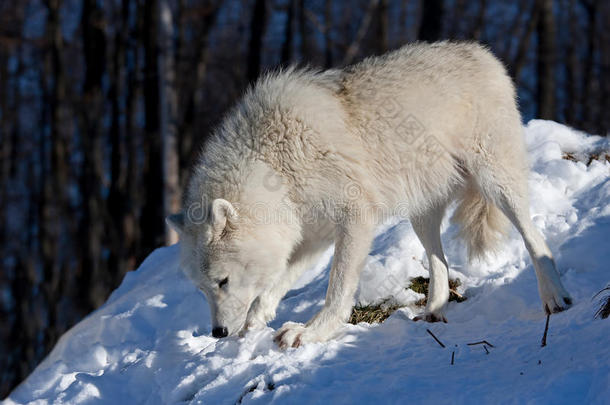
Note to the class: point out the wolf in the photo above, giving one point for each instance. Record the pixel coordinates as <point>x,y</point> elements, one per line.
<point>310,158</point>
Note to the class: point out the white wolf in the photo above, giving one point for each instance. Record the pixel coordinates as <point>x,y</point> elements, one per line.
<point>308,158</point>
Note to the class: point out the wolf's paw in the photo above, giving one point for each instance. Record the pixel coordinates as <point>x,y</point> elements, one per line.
<point>556,302</point>
<point>431,317</point>
<point>293,334</point>
<point>259,315</point>
<point>252,324</point>
<point>554,296</point>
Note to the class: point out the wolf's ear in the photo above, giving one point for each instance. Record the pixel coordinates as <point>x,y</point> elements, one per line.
<point>176,222</point>
<point>222,215</point>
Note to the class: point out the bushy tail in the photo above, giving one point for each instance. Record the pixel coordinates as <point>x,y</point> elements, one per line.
<point>483,225</point>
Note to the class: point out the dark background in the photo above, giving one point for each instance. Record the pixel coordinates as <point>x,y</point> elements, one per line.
<point>103,105</point>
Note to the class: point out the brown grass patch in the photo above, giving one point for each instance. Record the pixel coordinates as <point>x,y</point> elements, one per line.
<point>569,156</point>
<point>371,313</point>
<point>588,158</point>
<point>381,312</point>
<point>420,285</point>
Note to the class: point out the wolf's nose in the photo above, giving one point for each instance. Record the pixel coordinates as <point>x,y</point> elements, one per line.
<point>220,332</point>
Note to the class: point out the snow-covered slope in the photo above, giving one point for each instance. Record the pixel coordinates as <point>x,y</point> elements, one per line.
<point>150,343</point>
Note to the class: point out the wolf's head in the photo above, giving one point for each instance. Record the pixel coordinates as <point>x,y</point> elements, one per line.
<point>232,258</point>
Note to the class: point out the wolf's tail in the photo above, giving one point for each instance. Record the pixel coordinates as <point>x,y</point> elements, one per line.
<point>482,224</point>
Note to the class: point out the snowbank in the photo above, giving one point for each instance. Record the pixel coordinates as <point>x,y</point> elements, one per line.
<point>150,343</point>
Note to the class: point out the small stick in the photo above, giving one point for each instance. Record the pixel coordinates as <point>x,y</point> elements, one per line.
<point>486,351</point>
<point>456,293</point>
<point>546,329</point>
<point>435,338</point>
<point>452,356</point>
<point>482,342</point>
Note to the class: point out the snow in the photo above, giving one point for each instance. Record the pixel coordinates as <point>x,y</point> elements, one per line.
<point>150,343</point>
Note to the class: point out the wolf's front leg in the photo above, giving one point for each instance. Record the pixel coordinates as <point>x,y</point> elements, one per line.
<point>352,244</point>
<point>264,308</point>
<point>305,255</point>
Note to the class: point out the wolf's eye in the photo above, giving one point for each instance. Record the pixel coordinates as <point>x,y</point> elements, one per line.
<point>223,282</point>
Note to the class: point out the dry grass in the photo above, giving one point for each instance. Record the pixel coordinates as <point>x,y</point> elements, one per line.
<point>420,285</point>
<point>379,313</point>
<point>371,313</point>
<point>588,159</point>
<point>569,156</point>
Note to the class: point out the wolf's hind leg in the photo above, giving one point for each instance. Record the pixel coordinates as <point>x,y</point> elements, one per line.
<point>509,193</point>
<point>428,229</point>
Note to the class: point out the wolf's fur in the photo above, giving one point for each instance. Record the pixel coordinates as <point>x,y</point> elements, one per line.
<point>482,224</point>
<point>310,158</point>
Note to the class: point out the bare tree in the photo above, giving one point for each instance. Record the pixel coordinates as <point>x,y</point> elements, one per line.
<point>383,27</point>
<point>117,202</point>
<point>257,32</point>
<point>547,55</point>
<point>52,203</point>
<point>328,24</point>
<point>589,82</point>
<point>479,22</point>
<point>168,118</point>
<point>189,92</point>
<point>459,10</point>
<point>430,28</point>
<point>91,272</point>
<point>151,225</point>
<point>286,52</point>
<point>520,59</point>
<point>354,47</point>
<point>572,65</point>
<point>604,95</point>
<point>304,31</point>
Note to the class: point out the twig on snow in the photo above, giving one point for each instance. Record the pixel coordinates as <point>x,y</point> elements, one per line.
<point>457,294</point>
<point>482,342</point>
<point>435,338</point>
<point>604,308</point>
<point>546,329</point>
<point>452,356</point>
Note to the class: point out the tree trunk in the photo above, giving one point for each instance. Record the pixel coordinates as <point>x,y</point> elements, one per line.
<point>92,277</point>
<point>257,32</point>
<point>589,82</point>
<point>354,47</point>
<point>572,67</point>
<point>307,40</point>
<point>328,26</point>
<point>455,28</point>
<point>430,28</point>
<point>17,325</point>
<point>383,27</point>
<point>118,203</point>
<point>547,55</point>
<point>168,101</point>
<point>514,30</point>
<point>55,178</point>
<point>152,225</point>
<point>479,23</point>
<point>520,58</point>
<point>286,53</point>
<point>132,203</point>
<point>604,95</point>
<point>190,94</point>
